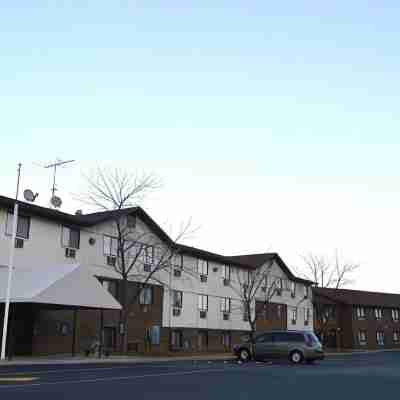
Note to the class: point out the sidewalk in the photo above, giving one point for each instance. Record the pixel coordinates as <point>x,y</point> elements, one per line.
<point>69,360</point>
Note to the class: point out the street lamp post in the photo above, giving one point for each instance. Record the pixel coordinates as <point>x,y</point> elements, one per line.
<point>10,269</point>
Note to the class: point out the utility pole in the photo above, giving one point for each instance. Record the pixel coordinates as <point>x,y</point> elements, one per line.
<point>10,269</point>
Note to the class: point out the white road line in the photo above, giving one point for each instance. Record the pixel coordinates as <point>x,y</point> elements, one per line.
<point>115,378</point>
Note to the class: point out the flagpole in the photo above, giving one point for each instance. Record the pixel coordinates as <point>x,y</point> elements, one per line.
<point>10,269</point>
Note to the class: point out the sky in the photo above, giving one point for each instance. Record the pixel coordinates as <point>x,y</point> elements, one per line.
<point>273,125</point>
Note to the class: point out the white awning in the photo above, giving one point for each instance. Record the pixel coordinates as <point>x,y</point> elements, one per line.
<point>66,285</point>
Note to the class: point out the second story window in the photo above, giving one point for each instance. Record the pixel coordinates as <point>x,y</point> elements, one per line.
<point>23,225</point>
<point>360,313</point>
<point>395,314</point>
<point>146,296</point>
<point>380,338</point>
<point>293,289</point>
<point>305,288</point>
<point>110,245</point>
<point>203,302</point>
<point>70,237</point>
<point>378,313</point>
<point>226,305</point>
<point>202,267</point>
<point>148,258</point>
<point>177,299</point>
<point>307,316</point>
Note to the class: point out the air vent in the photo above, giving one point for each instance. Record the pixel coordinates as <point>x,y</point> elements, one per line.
<point>70,253</point>
<point>176,312</point>
<point>19,243</point>
<point>177,273</point>
<point>111,261</point>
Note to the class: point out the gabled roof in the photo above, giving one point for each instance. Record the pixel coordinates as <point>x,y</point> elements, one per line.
<point>257,260</point>
<point>249,261</point>
<point>359,297</point>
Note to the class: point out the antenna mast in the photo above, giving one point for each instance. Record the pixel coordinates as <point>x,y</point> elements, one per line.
<point>54,200</point>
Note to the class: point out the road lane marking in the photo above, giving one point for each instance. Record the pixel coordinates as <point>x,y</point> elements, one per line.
<point>118,378</point>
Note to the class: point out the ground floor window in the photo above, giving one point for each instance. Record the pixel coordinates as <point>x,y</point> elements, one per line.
<point>226,339</point>
<point>362,337</point>
<point>396,336</point>
<point>176,338</point>
<point>202,340</point>
<point>380,338</point>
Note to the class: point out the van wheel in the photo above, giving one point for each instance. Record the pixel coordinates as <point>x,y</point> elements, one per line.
<point>296,357</point>
<point>244,355</point>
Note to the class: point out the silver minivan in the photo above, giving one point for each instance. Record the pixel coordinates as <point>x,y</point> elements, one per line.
<point>297,346</point>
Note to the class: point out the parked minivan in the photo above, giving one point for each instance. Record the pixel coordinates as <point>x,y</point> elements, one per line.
<point>297,346</point>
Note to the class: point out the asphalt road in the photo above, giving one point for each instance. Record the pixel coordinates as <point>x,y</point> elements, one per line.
<point>368,376</point>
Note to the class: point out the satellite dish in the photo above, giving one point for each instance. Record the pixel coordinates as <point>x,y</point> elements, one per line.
<point>56,202</point>
<point>29,195</point>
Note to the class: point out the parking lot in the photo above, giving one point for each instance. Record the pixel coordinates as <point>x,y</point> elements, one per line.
<point>367,376</point>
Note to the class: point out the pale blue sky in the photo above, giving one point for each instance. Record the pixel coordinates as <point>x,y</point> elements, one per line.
<point>275,125</point>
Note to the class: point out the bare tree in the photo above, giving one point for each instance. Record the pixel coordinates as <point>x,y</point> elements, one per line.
<point>330,273</point>
<point>252,286</point>
<point>136,254</point>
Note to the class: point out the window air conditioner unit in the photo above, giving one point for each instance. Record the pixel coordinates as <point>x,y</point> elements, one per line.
<point>226,282</point>
<point>203,278</point>
<point>19,243</point>
<point>111,261</point>
<point>70,253</point>
<point>176,312</point>
<point>147,267</point>
<point>177,272</point>
<point>203,314</point>
<point>226,316</point>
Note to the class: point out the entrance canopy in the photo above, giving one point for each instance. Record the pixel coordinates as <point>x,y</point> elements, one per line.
<point>65,285</point>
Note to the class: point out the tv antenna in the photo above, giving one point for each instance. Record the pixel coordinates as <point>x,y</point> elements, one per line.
<point>55,200</point>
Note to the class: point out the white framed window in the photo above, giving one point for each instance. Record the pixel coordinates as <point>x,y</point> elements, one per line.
<point>202,267</point>
<point>148,255</point>
<point>226,272</point>
<point>146,296</point>
<point>203,302</point>
<point>293,289</point>
<point>378,313</point>
<point>23,225</point>
<point>380,338</point>
<point>70,237</point>
<point>287,284</point>
<point>226,305</point>
<point>307,315</point>
<point>396,336</point>
<point>110,245</point>
<point>395,314</point>
<point>362,337</point>
<point>305,291</point>
<point>177,261</point>
<point>177,299</point>
<point>360,313</point>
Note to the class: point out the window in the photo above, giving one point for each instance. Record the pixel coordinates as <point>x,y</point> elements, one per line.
<point>153,335</point>
<point>287,284</point>
<point>396,336</point>
<point>23,225</point>
<point>360,312</point>
<point>177,298</point>
<point>111,286</point>
<point>293,289</point>
<point>362,337</point>
<point>203,302</point>
<point>146,296</point>
<point>148,255</point>
<point>178,261</point>
<point>226,272</point>
<point>294,316</point>
<point>278,285</point>
<point>110,245</point>
<point>380,338</point>
<point>378,313</point>
<point>267,338</point>
<point>395,314</point>
<point>202,267</point>
<point>288,337</point>
<point>305,288</point>
<point>226,305</point>
<point>176,338</point>
<point>70,237</point>
<point>226,339</point>
<point>307,315</point>
<point>131,221</point>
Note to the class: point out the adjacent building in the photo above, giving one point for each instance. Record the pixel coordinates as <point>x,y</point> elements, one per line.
<point>192,306</point>
<point>358,319</point>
